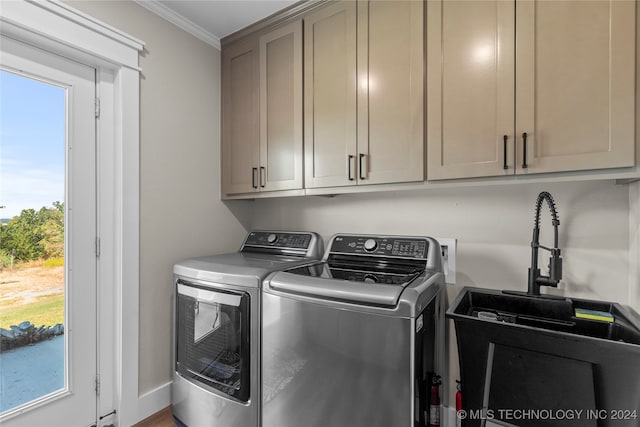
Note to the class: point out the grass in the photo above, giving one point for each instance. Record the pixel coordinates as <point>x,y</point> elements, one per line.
<point>47,310</point>
<point>34,292</point>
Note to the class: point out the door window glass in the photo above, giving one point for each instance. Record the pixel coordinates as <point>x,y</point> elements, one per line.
<point>212,338</point>
<point>32,273</point>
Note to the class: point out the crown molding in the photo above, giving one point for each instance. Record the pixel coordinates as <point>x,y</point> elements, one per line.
<point>283,16</point>
<point>180,21</point>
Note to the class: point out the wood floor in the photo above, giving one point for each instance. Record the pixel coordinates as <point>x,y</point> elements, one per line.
<point>163,418</point>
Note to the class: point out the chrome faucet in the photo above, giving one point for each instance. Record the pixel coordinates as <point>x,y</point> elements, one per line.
<point>555,261</point>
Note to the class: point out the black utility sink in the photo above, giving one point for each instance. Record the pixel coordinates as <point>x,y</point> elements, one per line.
<point>551,313</point>
<point>531,353</point>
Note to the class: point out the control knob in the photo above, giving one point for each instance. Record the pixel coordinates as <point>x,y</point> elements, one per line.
<point>370,245</point>
<point>370,278</point>
<point>271,238</point>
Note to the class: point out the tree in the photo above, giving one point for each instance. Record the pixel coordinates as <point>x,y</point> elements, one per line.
<point>32,235</point>
<point>22,239</point>
<point>6,260</point>
<point>52,230</point>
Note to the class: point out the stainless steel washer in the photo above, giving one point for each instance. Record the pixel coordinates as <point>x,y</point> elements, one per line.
<point>217,327</point>
<point>351,341</point>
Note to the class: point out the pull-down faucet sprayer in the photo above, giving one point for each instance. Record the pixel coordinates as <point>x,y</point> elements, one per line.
<point>555,262</point>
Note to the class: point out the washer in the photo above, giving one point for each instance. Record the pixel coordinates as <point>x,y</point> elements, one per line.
<point>216,378</point>
<point>352,340</point>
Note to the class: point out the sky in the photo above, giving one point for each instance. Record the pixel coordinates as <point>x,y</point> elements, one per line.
<point>32,144</point>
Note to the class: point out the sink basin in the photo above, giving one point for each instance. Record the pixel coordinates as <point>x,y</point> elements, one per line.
<point>524,353</point>
<point>550,313</point>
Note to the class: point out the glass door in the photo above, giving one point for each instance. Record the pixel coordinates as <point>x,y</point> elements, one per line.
<point>212,337</point>
<point>47,239</point>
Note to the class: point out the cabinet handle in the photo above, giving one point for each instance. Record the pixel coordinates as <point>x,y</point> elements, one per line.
<point>254,172</point>
<point>360,168</point>
<point>262,177</point>
<point>524,151</point>
<point>349,158</point>
<point>505,138</point>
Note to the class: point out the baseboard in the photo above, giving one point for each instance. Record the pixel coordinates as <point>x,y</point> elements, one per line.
<point>154,401</point>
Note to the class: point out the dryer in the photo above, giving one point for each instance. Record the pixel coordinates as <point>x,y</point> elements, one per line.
<point>216,378</point>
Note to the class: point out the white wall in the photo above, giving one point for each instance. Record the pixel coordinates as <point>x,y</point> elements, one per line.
<point>181,214</point>
<point>493,226</point>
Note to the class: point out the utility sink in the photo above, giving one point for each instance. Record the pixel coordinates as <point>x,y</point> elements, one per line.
<point>531,353</point>
<point>550,313</point>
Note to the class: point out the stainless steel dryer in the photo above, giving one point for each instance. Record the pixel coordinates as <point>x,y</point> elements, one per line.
<point>217,327</point>
<point>351,341</point>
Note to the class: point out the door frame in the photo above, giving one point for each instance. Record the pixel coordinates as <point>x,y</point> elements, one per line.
<point>62,30</point>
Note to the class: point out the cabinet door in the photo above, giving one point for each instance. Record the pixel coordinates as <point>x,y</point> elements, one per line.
<point>330,95</point>
<point>470,92</point>
<point>575,84</point>
<point>240,117</point>
<point>391,91</point>
<point>281,108</point>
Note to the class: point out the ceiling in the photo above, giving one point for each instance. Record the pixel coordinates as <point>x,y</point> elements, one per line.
<point>211,20</point>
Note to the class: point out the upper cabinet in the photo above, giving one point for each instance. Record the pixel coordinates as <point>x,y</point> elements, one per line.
<point>575,85</point>
<point>281,108</point>
<point>262,112</point>
<point>550,90</point>
<point>470,79</point>
<point>240,144</point>
<point>330,95</point>
<point>390,91</point>
<point>364,93</point>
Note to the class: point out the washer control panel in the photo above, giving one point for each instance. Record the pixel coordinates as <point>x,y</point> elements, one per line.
<point>278,239</point>
<point>403,247</point>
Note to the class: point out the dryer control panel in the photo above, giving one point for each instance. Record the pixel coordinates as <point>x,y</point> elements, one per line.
<point>283,242</point>
<point>278,239</point>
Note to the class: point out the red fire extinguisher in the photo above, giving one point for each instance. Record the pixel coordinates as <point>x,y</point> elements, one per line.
<point>458,404</point>
<point>434,402</point>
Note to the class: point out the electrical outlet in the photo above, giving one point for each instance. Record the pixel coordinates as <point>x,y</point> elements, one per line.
<point>448,247</point>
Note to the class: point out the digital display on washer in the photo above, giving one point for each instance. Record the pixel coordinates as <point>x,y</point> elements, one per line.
<point>409,248</point>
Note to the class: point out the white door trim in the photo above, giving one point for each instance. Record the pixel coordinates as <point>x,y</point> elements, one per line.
<point>58,28</point>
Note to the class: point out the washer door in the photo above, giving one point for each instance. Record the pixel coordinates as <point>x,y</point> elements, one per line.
<point>212,338</point>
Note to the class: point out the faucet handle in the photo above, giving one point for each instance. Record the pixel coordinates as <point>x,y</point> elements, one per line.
<point>555,266</point>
